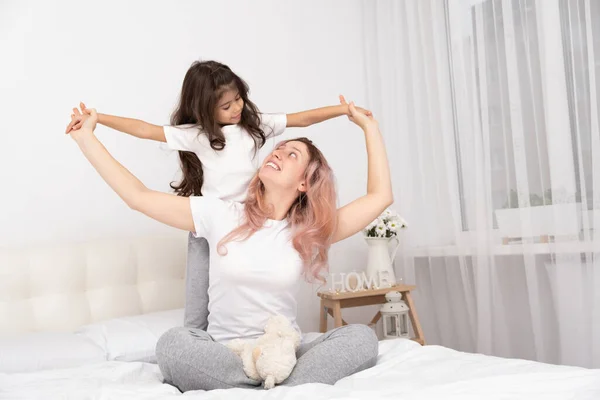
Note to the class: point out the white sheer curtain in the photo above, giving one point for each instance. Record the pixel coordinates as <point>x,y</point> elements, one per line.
<point>490,112</point>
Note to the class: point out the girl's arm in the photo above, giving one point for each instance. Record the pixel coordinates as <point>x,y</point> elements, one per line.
<point>356,215</point>
<point>307,118</point>
<point>166,208</point>
<point>133,127</point>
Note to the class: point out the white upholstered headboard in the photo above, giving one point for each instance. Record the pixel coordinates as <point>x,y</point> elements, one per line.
<point>59,288</point>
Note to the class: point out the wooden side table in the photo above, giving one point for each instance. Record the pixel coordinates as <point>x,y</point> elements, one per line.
<point>332,304</point>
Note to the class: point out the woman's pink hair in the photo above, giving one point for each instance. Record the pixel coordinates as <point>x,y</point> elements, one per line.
<point>312,217</point>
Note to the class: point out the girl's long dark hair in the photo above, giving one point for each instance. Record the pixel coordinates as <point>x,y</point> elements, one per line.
<point>203,85</point>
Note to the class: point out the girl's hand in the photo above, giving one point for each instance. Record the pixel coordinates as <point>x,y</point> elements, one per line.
<point>359,116</point>
<point>85,123</point>
<point>359,109</point>
<point>78,118</point>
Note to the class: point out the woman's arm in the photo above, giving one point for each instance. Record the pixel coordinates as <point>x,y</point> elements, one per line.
<point>133,127</point>
<point>307,118</point>
<point>356,215</point>
<point>163,207</point>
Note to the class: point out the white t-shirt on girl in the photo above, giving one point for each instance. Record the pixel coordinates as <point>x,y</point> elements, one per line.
<point>227,172</point>
<point>257,278</point>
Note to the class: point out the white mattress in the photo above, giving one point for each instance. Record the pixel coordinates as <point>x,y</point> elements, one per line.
<point>404,370</point>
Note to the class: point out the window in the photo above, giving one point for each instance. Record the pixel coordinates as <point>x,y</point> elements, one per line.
<point>505,54</point>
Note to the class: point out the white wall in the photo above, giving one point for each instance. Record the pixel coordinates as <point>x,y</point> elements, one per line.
<point>129,58</point>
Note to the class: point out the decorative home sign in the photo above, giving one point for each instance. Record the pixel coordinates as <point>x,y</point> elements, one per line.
<point>357,281</point>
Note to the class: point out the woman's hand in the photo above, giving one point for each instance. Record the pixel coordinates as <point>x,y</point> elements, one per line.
<point>359,116</point>
<point>82,124</point>
<point>359,109</point>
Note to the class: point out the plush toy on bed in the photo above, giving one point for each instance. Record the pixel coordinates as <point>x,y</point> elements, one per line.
<point>272,357</point>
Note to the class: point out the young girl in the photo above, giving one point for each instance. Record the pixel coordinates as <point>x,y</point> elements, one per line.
<point>217,131</point>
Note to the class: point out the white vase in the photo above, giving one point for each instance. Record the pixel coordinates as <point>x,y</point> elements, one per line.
<point>380,263</point>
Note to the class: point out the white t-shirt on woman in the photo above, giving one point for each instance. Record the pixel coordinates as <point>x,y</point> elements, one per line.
<point>258,278</point>
<point>227,172</point>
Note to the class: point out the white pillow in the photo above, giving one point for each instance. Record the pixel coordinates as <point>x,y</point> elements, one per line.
<point>47,350</point>
<point>132,338</point>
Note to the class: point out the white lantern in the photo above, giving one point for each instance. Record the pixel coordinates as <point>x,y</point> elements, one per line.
<point>395,316</point>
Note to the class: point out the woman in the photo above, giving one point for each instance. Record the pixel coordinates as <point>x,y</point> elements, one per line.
<point>259,250</point>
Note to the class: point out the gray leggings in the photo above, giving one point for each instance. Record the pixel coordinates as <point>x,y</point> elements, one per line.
<point>196,284</point>
<point>190,359</point>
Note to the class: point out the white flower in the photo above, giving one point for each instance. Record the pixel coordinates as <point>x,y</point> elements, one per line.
<point>380,230</point>
<point>387,213</point>
<point>392,226</point>
<point>399,221</point>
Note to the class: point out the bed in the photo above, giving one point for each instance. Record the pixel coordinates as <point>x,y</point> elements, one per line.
<point>81,320</point>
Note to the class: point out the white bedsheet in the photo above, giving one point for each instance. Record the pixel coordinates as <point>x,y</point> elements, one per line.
<point>404,370</point>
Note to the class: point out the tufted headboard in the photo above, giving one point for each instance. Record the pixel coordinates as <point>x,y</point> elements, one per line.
<point>59,288</point>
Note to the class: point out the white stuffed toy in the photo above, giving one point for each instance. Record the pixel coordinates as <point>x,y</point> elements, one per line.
<point>272,357</point>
